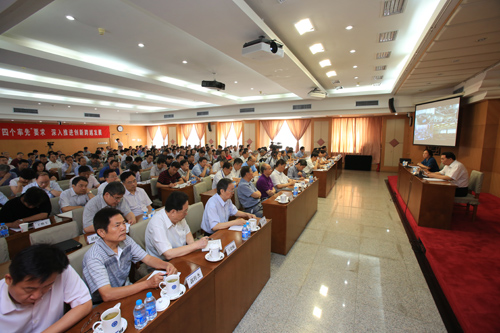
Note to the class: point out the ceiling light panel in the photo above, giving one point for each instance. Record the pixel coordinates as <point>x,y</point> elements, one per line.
<point>316,48</point>
<point>325,63</point>
<point>331,73</point>
<point>381,68</point>
<point>383,55</point>
<point>387,36</point>
<point>304,26</point>
<point>392,7</point>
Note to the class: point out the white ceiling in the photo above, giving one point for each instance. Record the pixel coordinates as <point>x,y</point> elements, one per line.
<point>47,59</point>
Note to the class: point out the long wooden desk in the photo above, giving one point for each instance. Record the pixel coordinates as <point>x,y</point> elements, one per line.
<point>166,191</point>
<point>207,195</point>
<point>430,203</point>
<point>326,180</point>
<point>217,302</point>
<point>18,241</point>
<point>147,189</point>
<point>290,219</point>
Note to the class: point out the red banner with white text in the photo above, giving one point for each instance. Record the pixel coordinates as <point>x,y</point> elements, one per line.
<point>34,131</point>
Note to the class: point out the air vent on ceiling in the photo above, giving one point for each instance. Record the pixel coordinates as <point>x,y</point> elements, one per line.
<point>201,113</point>
<point>380,68</point>
<point>392,7</point>
<point>168,115</point>
<point>387,36</point>
<point>383,55</point>
<point>458,91</point>
<point>366,103</point>
<point>92,115</point>
<point>378,77</point>
<point>336,81</point>
<point>246,110</point>
<point>30,111</point>
<point>302,107</point>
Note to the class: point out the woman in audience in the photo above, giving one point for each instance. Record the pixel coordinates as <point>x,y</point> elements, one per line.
<point>39,167</point>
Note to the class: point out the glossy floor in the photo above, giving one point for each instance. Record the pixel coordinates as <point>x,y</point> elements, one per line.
<point>351,270</point>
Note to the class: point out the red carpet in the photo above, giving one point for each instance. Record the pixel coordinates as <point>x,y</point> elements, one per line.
<point>466,261</point>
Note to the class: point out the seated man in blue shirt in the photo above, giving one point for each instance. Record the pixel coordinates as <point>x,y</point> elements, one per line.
<point>220,207</point>
<point>251,164</point>
<point>248,195</point>
<point>202,169</point>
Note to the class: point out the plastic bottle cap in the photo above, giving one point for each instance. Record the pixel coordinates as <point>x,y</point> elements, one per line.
<point>138,302</point>
<point>149,294</point>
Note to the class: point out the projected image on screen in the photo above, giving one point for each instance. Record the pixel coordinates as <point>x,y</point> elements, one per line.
<point>436,123</point>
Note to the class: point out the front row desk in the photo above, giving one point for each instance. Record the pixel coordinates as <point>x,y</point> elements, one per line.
<point>218,302</point>
<point>429,202</point>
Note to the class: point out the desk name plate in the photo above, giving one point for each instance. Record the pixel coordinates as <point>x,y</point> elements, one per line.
<point>40,224</point>
<point>230,248</point>
<point>194,277</point>
<point>91,239</point>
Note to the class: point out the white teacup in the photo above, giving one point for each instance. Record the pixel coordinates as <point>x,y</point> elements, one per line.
<point>24,227</point>
<point>170,284</point>
<point>283,198</point>
<point>112,324</point>
<point>214,252</point>
<point>253,223</point>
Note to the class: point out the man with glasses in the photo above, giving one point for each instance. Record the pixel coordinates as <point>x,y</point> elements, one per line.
<point>136,197</point>
<point>220,207</point>
<point>111,197</point>
<point>168,235</point>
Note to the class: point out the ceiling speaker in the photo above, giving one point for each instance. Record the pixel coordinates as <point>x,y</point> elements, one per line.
<point>209,127</point>
<point>391,105</point>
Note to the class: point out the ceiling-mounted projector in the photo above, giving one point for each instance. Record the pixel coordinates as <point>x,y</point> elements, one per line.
<point>262,49</point>
<point>316,94</point>
<point>213,85</point>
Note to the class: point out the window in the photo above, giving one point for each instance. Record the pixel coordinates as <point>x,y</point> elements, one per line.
<point>158,139</point>
<point>193,139</point>
<point>285,137</point>
<point>231,138</point>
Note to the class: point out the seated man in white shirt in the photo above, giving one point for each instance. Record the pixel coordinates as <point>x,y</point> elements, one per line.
<point>109,177</point>
<point>51,187</point>
<point>280,180</point>
<point>32,295</point>
<point>453,171</point>
<point>185,173</point>
<point>224,173</point>
<point>136,197</point>
<point>147,164</point>
<point>220,207</point>
<point>312,163</point>
<point>218,165</point>
<point>75,197</point>
<point>168,235</point>
<point>69,166</point>
<point>158,168</point>
<point>235,173</point>
<point>84,171</point>
<point>82,161</point>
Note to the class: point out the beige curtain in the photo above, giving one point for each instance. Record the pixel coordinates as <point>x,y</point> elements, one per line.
<point>152,130</point>
<point>357,136</point>
<point>164,132</point>
<point>238,127</point>
<point>298,127</point>
<point>272,127</point>
<point>186,130</point>
<point>200,130</point>
<point>225,128</point>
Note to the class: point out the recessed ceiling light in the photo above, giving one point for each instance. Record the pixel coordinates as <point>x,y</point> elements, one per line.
<point>184,62</point>
<point>352,51</point>
<point>140,45</point>
<point>40,121</point>
<point>251,88</point>
<point>69,106</point>
<point>324,63</point>
<point>357,85</point>
<point>356,77</point>
<point>331,73</point>
<point>95,109</point>
<point>69,17</point>
<point>235,81</point>
<point>117,110</point>
<point>39,103</point>
<point>316,48</point>
<point>349,27</point>
<point>354,66</point>
<point>304,26</point>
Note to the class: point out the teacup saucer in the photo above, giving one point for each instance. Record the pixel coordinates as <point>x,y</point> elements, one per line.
<point>284,202</point>
<point>256,229</point>
<point>209,258</point>
<point>98,329</point>
<point>182,290</point>
<point>162,303</point>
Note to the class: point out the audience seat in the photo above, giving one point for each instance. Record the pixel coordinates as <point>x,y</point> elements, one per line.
<point>208,180</point>
<point>76,259</point>
<point>236,200</point>
<point>138,232</point>
<point>56,209</point>
<point>475,186</point>
<point>94,191</point>
<point>194,217</point>
<point>78,218</point>
<point>55,234</point>
<point>64,184</point>
<point>154,193</point>
<point>199,188</point>
<point>6,191</point>
<point>4,251</point>
<point>145,175</point>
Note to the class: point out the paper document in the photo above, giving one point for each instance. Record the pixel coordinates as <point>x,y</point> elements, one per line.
<point>156,272</point>
<point>213,241</point>
<point>67,214</point>
<point>236,228</point>
<point>435,180</point>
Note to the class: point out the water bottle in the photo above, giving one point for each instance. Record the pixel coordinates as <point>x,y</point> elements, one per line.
<point>295,190</point>
<point>150,303</point>
<point>311,179</point>
<point>4,231</point>
<point>140,318</point>
<point>245,232</point>
<point>145,215</point>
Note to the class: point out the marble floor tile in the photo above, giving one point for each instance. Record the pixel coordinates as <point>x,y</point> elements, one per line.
<point>351,270</point>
